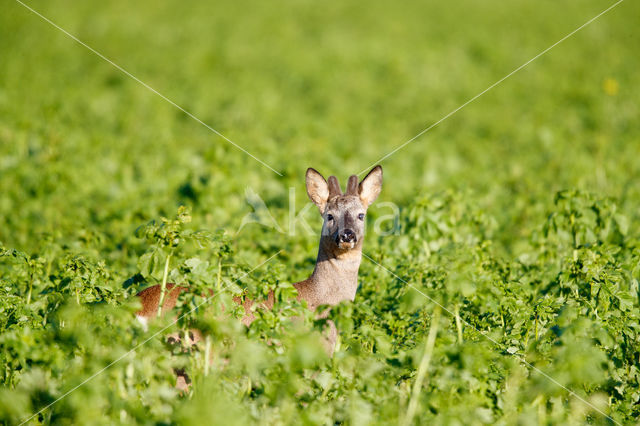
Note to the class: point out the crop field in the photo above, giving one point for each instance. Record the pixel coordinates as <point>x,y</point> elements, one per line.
<point>169,141</point>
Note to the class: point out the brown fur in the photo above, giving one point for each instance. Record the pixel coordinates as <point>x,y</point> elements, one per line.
<point>150,298</point>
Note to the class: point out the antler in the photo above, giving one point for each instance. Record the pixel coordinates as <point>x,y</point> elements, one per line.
<point>334,187</point>
<point>352,185</point>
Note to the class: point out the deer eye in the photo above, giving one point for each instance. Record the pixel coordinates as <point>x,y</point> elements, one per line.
<point>361,216</point>
<point>329,217</point>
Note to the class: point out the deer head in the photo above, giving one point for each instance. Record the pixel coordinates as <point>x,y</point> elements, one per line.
<point>343,213</point>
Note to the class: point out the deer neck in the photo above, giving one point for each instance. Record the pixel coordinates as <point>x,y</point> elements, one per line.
<point>335,277</point>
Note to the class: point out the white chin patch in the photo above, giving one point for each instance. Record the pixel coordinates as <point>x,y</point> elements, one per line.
<point>346,246</point>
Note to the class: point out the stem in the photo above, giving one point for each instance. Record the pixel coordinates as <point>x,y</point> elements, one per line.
<point>458,324</point>
<point>30,288</point>
<point>207,354</point>
<point>540,403</point>
<point>163,287</point>
<point>542,414</point>
<point>422,368</point>
<point>219,273</point>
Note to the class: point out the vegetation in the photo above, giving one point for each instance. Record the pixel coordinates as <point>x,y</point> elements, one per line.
<point>508,286</point>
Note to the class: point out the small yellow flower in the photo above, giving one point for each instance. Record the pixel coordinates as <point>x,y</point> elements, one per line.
<point>610,86</point>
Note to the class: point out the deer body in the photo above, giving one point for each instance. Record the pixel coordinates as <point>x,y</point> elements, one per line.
<point>335,276</point>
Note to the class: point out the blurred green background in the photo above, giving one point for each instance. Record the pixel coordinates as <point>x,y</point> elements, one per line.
<point>334,86</point>
<point>88,155</point>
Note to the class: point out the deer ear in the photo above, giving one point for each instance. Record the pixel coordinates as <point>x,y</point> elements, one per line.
<point>317,189</point>
<point>370,187</point>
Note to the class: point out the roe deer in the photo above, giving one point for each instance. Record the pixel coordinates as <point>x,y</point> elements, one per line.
<point>335,277</point>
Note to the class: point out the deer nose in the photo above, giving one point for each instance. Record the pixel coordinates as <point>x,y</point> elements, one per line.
<point>347,236</point>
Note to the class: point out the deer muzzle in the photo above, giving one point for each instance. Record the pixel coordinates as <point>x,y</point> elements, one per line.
<point>346,239</point>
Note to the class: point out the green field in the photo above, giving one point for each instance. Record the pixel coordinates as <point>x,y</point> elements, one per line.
<point>517,225</point>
